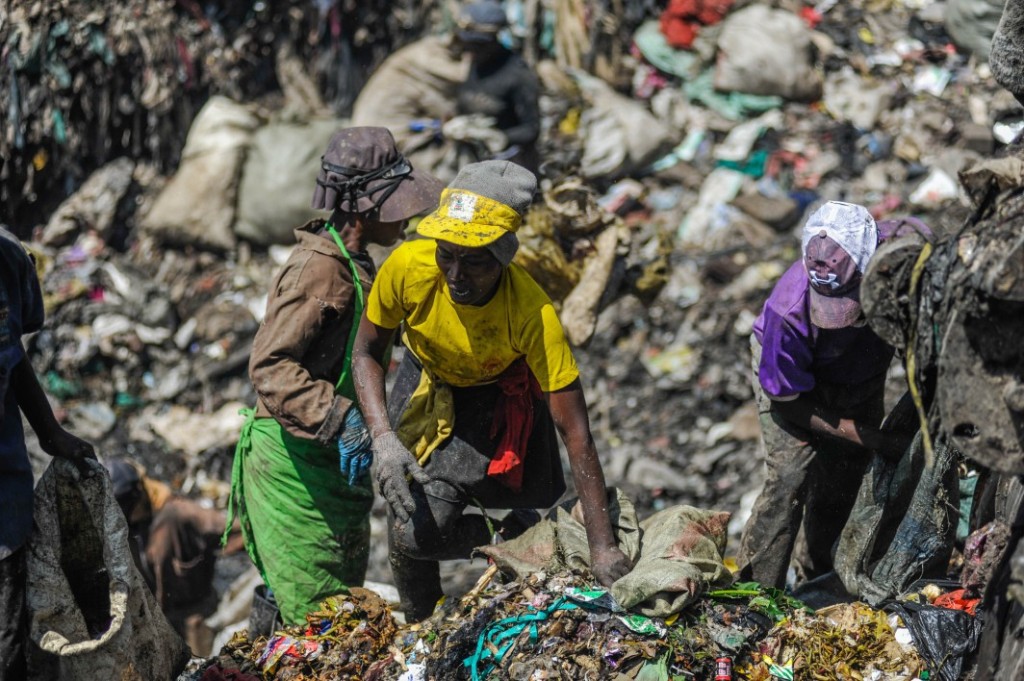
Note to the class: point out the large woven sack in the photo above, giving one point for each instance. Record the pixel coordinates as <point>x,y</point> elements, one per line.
<point>972,23</point>
<point>676,553</point>
<point>417,82</point>
<point>197,206</point>
<point>681,549</point>
<point>620,134</point>
<point>279,178</point>
<point>91,613</point>
<point>560,542</point>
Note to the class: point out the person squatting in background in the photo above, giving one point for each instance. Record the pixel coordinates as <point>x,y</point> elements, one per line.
<point>175,543</point>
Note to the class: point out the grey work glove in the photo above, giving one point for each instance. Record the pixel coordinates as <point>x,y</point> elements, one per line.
<point>395,465</point>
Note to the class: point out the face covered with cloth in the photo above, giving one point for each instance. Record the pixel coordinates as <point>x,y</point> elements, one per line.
<point>473,321</point>
<point>838,242</point>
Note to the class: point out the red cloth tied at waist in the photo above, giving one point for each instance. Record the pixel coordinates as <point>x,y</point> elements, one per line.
<point>513,417</point>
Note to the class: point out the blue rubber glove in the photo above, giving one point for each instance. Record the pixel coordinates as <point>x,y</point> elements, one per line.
<point>354,446</point>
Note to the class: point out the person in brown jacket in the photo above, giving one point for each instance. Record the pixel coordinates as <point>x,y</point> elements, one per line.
<point>299,482</point>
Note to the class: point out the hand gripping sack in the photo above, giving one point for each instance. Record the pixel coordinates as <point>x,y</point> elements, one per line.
<point>90,611</point>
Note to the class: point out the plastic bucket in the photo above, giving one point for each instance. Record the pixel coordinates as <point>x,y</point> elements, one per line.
<point>265,618</point>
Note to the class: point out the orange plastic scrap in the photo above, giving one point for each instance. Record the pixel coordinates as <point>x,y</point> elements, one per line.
<point>955,600</point>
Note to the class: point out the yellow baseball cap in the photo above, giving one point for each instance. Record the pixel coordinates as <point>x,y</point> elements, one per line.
<point>483,202</point>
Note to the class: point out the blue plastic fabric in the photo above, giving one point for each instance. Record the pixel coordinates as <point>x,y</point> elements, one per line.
<point>497,638</point>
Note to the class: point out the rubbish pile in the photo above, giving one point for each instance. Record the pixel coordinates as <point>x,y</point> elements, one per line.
<point>675,178</point>
<point>536,613</point>
<point>85,83</point>
<point>842,641</point>
<point>559,626</point>
<point>145,353</point>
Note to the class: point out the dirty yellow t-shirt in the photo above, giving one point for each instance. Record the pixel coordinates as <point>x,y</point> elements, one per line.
<point>466,345</point>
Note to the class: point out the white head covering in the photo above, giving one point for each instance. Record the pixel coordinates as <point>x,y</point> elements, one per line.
<point>849,225</point>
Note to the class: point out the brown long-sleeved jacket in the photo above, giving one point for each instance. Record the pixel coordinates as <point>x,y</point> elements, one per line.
<point>299,350</point>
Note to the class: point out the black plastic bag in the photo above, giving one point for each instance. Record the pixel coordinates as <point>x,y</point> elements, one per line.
<point>942,636</point>
<point>903,524</point>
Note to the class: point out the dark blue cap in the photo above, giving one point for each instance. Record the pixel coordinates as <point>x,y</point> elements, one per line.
<point>481,21</point>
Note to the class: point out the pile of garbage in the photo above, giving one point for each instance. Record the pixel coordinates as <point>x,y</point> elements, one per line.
<point>84,83</point>
<point>556,625</point>
<point>536,613</point>
<point>674,180</point>
<point>146,351</point>
<point>559,626</point>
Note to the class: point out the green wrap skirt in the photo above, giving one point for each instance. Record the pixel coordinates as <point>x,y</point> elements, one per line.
<point>305,528</point>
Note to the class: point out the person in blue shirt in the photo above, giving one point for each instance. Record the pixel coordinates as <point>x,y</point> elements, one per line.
<point>21,312</point>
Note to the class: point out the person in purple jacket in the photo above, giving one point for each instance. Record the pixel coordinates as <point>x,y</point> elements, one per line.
<point>819,381</point>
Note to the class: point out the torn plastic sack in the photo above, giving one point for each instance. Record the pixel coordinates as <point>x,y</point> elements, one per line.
<point>90,611</point>
<point>902,525</point>
<point>676,553</point>
<point>942,636</point>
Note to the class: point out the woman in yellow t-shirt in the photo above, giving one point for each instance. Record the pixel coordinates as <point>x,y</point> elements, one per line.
<point>487,379</point>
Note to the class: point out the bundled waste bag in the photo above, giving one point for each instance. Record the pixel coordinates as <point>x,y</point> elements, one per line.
<point>197,207</point>
<point>90,611</point>
<point>278,178</point>
<point>972,23</point>
<point>411,93</point>
<point>767,51</point>
<point>902,525</point>
<point>676,553</point>
<point>620,134</point>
